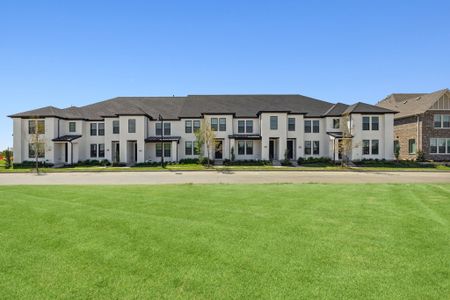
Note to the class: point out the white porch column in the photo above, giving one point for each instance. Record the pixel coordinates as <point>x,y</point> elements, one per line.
<point>174,151</point>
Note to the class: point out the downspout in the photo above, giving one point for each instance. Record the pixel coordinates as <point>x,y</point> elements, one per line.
<point>419,147</point>
<point>71,153</point>
<point>58,127</point>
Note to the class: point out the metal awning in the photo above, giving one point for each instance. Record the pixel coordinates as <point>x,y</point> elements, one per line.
<point>245,136</point>
<point>66,138</point>
<point>336,134</point>
<point>153,139</point>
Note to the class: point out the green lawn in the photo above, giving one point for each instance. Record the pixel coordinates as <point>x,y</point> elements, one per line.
<point>225,241</point>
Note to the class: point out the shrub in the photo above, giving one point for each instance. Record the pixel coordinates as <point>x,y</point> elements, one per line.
<point>26,164</point>
<point>228,162</point>
<point>420,157</point>
<point>189,161</point>
<point>314,160</point>
<point>149,164</point>
<point>8,158</point>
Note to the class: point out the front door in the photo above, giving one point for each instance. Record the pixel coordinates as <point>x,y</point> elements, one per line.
<point>271,149</point>
<point>219,150</point>
<point>290,149</point>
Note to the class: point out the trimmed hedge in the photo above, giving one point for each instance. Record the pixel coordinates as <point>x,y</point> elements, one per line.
<point>228,162</point>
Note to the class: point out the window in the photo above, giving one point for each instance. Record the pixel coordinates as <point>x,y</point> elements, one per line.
<point>166,129</point>
<point>32,126</point>
<point>316,126</point>
<point>446,121</point>
<point>101,129</point>
<point>188,148</point>
<point>336,123</point>
<point>366,123</point>
<point>437,121</point>
<point>273,122</point>
<point>214,124</point>
<point>158,148</point>
<point>291,124</point>
<point>241,126</point>
<point>101,150</point>
<point>249,126</point>
<point>307,126</point>
<point>222,124</point>
<point>307,147</point>
<point>375,123</point>
<point>116,127</point>
<point>93,129</point>
<point>32,150</point>
<point>249,148</point>
<point>158,130</point>
<point>167,148</point>
<point>197,148</point>
<point>72,126</point>
<point>448,146</point>
<point>131,125</point>
<point>315,147</point>
<point>188,126</point>
<point>93,150</point>
<point>433,146</point>
<point>241,148</point>
<point>412,146</point>
<point>375,147</point>
<point>366,147</point>
<point>196,125</point>
<point>441,146</point>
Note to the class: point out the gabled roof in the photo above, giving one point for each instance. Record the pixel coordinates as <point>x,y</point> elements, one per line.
<point>195,106</point>
<point>411,104</point>
<point>363,108</point>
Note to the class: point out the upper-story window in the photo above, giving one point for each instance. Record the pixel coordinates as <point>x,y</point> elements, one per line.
<point>441,121</point>
<point>40,126</point>
<point>131,125</point>
<point>93,129</point>
<point>245,126</point>
<point>214,124</point>
<point>188,126</point>
<point>166,129</point>
<point>368,121</point>
<point>336,123</point>
<point>312,126</point>
<point>273,122</point>
<point>222,124</point>
<point>72,127</point>
<point>196,125</point>
<point>101,129</point>
<point>291,124</point>
<point>116,127</point>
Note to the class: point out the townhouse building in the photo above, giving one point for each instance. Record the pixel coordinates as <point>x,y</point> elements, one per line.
<point>421,124</point>
<point>254,127</point>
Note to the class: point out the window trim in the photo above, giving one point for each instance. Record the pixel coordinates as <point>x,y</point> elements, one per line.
<point>222,124</point>
<point>101,131</point>
<point>191,147</point>
<point>93,129</point>
<point>273,123</point>
<point>131,125</point>
<point>116,127</point>
<point>334,123</point>
<point>186,126</point>
<point>214,124</point>
<point>410,144</point>
<point>446,146</point>
<point>39,146</point>
<point>309,126</point>
<point>93,148</point>
<point>291,126</point>
<point>74,128</point>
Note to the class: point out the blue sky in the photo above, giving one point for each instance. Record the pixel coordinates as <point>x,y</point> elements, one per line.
<point>60,53</point>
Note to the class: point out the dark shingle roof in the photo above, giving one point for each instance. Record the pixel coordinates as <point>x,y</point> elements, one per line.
<point>364,108</point>
<point>194,106</point>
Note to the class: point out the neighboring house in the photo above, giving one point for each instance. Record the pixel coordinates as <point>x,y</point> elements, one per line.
<point>422,123</point>
<point>255,127</point>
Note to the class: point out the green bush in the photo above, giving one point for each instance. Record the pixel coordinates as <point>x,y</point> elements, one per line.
<point>420,157</point>
<point>314,160</point>
<point>392,164</point>
<point>228,162</point>
<point>189,161</point>
<point>28,164</point>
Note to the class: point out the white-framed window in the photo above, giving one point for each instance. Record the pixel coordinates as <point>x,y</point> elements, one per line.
<point>273,122</point>
<point>245,147</point>
<point>196,125</point>
<point>412,146</point>
<point>222,124</point>
<point>188,148</point>
<point>32,150</point>
<point>441,121</point>
<point>159,149</point>
<point>312,147</point>
<point>336,123</point>
<point>101,129</point>
<point>93,128</point>
<point>370,147</point>
<point>245,126</point>
<point>101,150</point>
<point>188,126</point>
<point>40,126</point>
<point>312,126</point>
<point>93,151</point>
<point>72,127</point>
<point>370,123</point>
<point>131,125</point>
<point>440,145</point>
<point>116,126</point>
<point>291,124</point>
<point>214,124</point>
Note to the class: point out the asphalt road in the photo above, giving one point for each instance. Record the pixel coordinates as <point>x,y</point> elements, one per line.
<point>202,177</point>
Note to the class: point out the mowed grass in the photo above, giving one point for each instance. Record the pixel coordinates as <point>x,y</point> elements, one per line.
<point>225,241</point>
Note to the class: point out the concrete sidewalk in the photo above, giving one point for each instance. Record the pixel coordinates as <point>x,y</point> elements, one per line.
<point>244,177</point>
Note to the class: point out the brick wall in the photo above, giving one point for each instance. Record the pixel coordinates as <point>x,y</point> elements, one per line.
<point>404,130</point>
<point>430,132</point>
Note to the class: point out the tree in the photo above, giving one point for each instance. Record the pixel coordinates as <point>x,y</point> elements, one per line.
<point>37,140</point>
<point>8,158</point>
<point>346,144</point>
<point>397,150</point>
<point>205,137</point>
